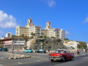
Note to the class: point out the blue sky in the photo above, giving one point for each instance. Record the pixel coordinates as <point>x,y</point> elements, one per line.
<point>70,15</point>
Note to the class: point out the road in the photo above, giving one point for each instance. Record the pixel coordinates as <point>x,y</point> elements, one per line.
<point>3,55</point>
<point>41,59</point>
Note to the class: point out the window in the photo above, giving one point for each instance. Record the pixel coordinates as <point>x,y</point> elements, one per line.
<point>17,29</point>
<point>37,33</point>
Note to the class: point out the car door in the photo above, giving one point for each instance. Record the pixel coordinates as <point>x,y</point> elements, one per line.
<point>68,55</point>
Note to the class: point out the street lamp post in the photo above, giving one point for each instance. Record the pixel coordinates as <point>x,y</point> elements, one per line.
<point>41,45</point>
<point>12,47</point>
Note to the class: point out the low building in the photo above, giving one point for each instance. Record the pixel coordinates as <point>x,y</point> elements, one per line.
<point>71,44</point>
<point>17,43</point>
<point>3,37</point>
<point>9,35</point>
<point>87,45</point>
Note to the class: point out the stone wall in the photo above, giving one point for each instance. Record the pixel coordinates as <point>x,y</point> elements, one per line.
<point>46,44</point>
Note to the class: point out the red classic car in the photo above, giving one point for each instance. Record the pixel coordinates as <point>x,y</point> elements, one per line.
<point>61,55</point>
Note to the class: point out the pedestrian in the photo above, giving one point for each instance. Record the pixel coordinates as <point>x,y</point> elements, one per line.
<point>48,50</point>
<point>86,51</point>
<point>77,52</point>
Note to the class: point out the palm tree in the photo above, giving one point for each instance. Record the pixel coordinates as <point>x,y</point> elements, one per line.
<point>33,34</point>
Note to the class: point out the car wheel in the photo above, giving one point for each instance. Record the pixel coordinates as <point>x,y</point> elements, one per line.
<point>71,59</point>
<point>51,60</point>
<point>44,52</point>
<point>63,59</point>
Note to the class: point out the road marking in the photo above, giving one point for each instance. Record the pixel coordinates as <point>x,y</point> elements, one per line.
<point>41,54</point>
<point>38,60</point>
<point>46,59</point>
<point>19,63</point>
<point>38,57</point>
<point>1,65</point>
<point>2,57</point>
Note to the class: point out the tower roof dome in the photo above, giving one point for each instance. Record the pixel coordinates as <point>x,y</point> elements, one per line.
<point>48,22</point>
<point>29,19</point>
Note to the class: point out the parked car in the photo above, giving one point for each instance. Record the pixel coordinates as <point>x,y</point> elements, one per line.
<point>40,51</point>
<point>5,49</point>
<point>28,50</point>
<point>0,49</point>
<point>61,55</point>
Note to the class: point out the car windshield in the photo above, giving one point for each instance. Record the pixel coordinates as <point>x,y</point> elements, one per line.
<point>27,49</point>
<point>40,49</point>
<point>60,51</point>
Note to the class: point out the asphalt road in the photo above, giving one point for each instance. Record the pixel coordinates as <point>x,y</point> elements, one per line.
<point>78,61</point>
<point>3,55</point>
<point>41,59</point>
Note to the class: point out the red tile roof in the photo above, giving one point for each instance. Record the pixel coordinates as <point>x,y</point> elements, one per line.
<point>29,19</point>
<point>12,38</point>
<point>48,22</point>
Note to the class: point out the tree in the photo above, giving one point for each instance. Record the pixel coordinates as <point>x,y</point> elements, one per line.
<point>1,46</point>
<point>14,36</point>
<point>82,45</point>
<point>66,39</point>
<point>45,37</point>
<point>52,37</point>
<point>33,34</point>
<point>40,37</point>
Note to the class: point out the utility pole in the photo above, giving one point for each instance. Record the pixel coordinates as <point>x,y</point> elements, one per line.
<point>12,47</point>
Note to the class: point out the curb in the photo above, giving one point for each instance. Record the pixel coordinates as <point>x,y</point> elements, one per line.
<point>20,57</point>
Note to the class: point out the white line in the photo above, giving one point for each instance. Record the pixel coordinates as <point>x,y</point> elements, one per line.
<point>2,57</point>
<point>38,57</point>
<point>41,54</point>
<point>19,63</point>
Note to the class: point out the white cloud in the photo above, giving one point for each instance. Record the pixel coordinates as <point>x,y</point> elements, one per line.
<point>67,33</point>
<point>85,21</point>
<point>7,21</point>
<point>51,3</point>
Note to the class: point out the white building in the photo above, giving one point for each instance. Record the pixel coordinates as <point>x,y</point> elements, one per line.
<point>49,32</point>
<point>9,35</point>
<point>62,34</point>
<point>31,28</point>
<point>87,45</point>
<point>2,37</point>
<point>71,44</point>
<point>18,43</point>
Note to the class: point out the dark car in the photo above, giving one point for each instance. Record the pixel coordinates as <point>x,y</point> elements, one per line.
<point>0,49</point>
<point>40,51</point>
<point>5,49</point>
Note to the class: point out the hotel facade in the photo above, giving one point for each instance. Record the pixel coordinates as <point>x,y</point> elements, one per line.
<point>48,31</point>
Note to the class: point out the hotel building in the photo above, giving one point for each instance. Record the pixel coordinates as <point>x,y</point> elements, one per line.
<point>48,31</point>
